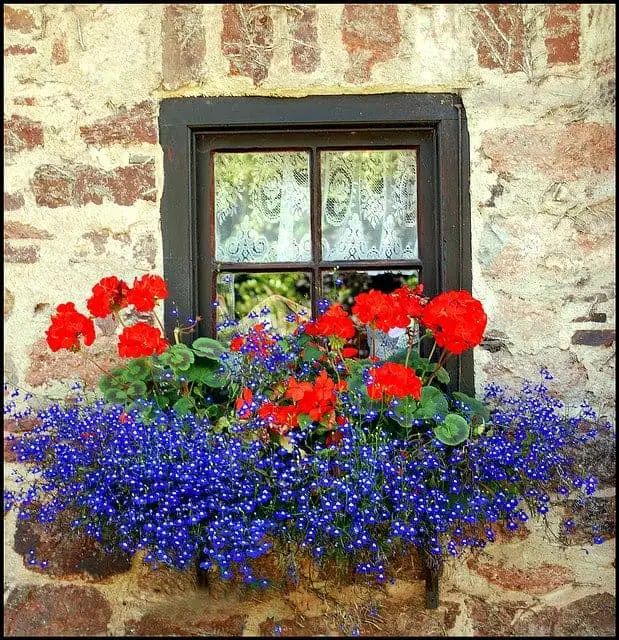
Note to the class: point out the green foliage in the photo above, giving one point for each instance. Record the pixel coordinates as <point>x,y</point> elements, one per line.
<point>453,430</point>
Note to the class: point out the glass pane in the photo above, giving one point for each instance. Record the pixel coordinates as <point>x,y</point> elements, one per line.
<point>369,204</point>
<point>343,287</point>
<point>245,297</point>
<point>262,207</point>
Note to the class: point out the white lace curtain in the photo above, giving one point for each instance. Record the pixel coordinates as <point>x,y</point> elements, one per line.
<point>369,206</point>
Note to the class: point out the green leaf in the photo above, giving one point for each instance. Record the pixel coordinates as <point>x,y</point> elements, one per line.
<point>215,379</point>
<point>139,368</point>
<point>432,401</point>
<point>304,420</point>
<point>136,389</point>
<point>405,411</point>
<point>477,407</point>
<point>115,396</point>
<point>442,376</point>
<point>454,430</point>
<point>310,354</point>
<point>183,405</point>
<point>208,348</point>
<point>181,357</point>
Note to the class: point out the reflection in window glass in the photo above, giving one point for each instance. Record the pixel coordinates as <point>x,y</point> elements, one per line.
<point>262,207</point>
<point>369,204</point>
<point>245,297</point>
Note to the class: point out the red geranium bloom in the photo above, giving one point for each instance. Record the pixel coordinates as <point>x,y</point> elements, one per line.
<point>141,340</point>
<point>410,301</point>
<point>380,311</point>
<point>456,319</point>
<point>316,400</point>
<point>334,322</point>
<point>236,343</point>
<point>109,294</point>
<point>349,352</point>
<point>66,328</point>
<point>393,380</point>
<point>280,418</point>
<point>146,291</point>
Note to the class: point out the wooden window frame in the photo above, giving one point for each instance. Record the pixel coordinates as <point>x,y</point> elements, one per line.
<point>190,129</point>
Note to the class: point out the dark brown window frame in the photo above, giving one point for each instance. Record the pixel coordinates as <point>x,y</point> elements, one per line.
<point>190,129</point>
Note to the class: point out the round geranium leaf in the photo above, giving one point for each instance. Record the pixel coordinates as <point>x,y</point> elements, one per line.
<point>208,348</point>
<point>115,395</point>
<point>136,389</point>
<point>453,430</point>
<point>139,368</point>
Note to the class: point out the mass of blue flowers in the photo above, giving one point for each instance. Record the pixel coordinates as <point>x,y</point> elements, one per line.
<point>189,493</point>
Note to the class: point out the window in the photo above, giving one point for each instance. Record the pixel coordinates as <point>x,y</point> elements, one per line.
<point>321,196</point>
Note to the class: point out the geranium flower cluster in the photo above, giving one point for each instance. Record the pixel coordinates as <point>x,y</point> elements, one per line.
<point>69,328</point>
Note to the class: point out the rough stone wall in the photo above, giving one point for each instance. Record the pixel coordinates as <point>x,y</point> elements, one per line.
<point>83,179</point>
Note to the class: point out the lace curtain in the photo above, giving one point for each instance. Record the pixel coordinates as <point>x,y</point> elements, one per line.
<point>369,206</point>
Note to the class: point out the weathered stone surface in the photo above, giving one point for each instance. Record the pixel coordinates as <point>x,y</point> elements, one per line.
<point>592,317</point>
<point>562,23</point>
<point>164,580</point>
<point>14,230</point>
<point>21,134</point>
<point>100,238</point>
<point>588,617</point>
<point>498,34</point>
<point>556,151</point>
<point>47,366</point>
<point>490,618</point>
<point>183,40</point>
<point>56,610</point>
<point>68,554</point>
<point>371,33</point>
<point>13,201</point>
<point>599,457</point>
<point>78,185</point>
<point>594,337</point>
<point>129,126</point>
<point>538,580</point>
<point>27,254</point>
<point>596,517</point>
<point>153,624</point>
<point>247,40</point>
<point>303,25</point>
<point>18,19</point>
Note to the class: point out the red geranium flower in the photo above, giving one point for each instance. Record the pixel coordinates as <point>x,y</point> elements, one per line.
<point>146,291</point>
<point>380,311</point>
<point>141,340</point>
<point>393,380</point>
<point>236,343</point>
<point>280,418</point>
<point>410,301</point>
<point>243,403</point>
<point>109,294</point>
<point>334,322</point>
<point>66,328</point>
<point>456,319</point>
<point>316,400</point>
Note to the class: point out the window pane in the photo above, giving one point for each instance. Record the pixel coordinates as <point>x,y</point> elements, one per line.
<point>369,204</point>
<point>262,207</point>
<point>343,286</point>
<point>245,296</point>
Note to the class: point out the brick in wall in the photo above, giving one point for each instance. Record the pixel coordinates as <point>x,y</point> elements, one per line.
<point>562,24</point>
<point>371,33</point>
<point>303,25</point>
<point>22,134</point>
<point>129,126</point>
<point>18,19</point>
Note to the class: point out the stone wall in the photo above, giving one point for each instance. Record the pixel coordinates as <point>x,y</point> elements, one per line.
<point>84,176</point>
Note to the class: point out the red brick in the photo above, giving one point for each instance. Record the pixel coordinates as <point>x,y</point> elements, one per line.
<point>14,230</point>
<point>56,610</point>
<point>81,184</point>
<point>247,40</point>
<point>492,618</point>
<point>19,50</point>
<point>495,23</point>
<point>9,454</point>
<point>562,24</point>
<point>589,617</point>
<point>533,580</point>
<point>371,33</point>
<point>304,32</point>
<point>60,51</point>
<point>22,133</point>
<point>25,101</point>
<point>47,366</point>
<point>18,19</point>
<point>131,126</point>
<point>562,153</point>
<point>183,44</point>
<point>27,254</point>
<point>22,425</point>
<point>13,201</point>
